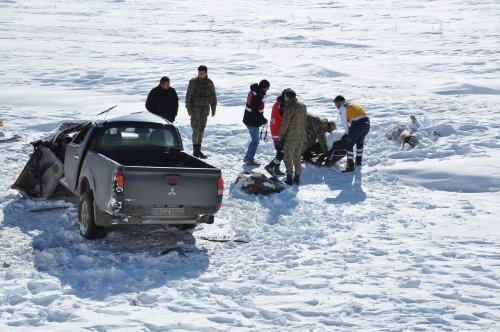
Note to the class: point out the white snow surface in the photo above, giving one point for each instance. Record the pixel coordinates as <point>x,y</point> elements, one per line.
<point>409,242</point>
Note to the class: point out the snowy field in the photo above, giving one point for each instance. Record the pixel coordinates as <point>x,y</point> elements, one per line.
<point>410,242</point>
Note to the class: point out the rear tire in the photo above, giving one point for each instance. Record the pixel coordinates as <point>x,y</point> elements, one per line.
<point>86,215</point>
<point>185,227</point>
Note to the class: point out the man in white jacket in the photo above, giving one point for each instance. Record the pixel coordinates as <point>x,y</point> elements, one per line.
<point>356,126</point>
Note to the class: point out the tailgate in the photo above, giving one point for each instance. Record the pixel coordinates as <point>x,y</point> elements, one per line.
<point>170,186</point>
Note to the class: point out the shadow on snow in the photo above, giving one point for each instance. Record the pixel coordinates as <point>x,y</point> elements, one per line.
<point>350,186</point>
<point>128,259</point>
<point>347,185</point>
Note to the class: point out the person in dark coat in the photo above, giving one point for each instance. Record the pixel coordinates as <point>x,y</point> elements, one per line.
<point>163,100</point>
<point>254,118</point>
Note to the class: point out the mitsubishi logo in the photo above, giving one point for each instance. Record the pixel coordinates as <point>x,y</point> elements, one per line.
<point>172,192</point>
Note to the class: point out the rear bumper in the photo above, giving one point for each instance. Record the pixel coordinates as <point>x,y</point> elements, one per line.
<point>141,215</point>
<point>158,220</point>
<point>154,220</point>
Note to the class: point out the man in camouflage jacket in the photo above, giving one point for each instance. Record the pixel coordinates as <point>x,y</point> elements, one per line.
<point>293,133</point>
<point>200,97</point>
<point>316,129</point>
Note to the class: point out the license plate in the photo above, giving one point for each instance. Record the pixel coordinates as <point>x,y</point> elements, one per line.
<point>167,211</point>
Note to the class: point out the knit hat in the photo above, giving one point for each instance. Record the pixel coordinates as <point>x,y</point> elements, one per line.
<point>164,79</point>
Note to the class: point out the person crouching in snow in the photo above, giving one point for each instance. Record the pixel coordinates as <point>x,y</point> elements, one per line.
<point>356,126</point>
<point>293,133</point>
<point>316,129</point>
<point>254,118</point>
<point>276,118</point>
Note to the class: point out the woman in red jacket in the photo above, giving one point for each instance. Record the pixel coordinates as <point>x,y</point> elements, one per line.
<point>276,118</point>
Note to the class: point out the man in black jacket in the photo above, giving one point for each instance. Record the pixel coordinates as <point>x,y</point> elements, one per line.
<point>254,118</point>
<point>163,100</point>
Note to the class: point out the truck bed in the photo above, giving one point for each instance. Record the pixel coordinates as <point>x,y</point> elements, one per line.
<point>156,159</point>
<point>154,181</point>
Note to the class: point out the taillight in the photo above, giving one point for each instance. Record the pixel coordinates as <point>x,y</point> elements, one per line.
<point>119,182</point>
<point>220,186</point>
<point>220,191</point>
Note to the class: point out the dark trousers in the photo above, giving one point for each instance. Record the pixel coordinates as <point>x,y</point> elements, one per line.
<point>357,133</point>
<point>278,145</point>
<point>312,151</point>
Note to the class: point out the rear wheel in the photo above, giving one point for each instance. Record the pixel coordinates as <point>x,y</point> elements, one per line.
<point>185,227</point>
<point>88,228</point>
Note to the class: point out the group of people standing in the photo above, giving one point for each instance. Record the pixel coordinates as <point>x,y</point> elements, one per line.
<point>293,129</point>
<point>200,99</point>
<point>286,127</point>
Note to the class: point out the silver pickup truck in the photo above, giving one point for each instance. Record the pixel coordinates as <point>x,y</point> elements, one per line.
<point>126,170</point>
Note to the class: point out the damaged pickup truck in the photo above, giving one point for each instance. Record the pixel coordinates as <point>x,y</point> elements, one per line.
<point>126,170</point>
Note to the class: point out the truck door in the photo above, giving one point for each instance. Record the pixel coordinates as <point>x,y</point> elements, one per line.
<point>73,158</point>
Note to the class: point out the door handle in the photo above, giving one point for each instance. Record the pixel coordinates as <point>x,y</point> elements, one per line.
<point>76,157</point>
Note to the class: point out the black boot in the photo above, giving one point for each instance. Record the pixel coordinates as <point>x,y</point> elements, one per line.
<point>289,179</point>
<point>270,168</point>
<point>277,170</point>
<point>296,179</point>
<point>307,155</point>
<point>202,155</point>
<point>358,161</point>
<point>350,168</point>
<point>197,151</point>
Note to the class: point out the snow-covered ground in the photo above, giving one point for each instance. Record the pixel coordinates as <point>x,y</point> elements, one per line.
<point>409,242</point>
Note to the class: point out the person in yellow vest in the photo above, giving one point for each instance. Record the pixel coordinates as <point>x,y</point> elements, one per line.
<point>356,126</point>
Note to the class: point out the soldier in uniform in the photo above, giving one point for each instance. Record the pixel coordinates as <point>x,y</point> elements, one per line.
<point>316,127</point>
<point>200,97</point>
<point>293,133</point>
<point>356,125</point>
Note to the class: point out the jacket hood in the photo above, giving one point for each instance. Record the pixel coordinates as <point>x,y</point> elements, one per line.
<point>255,87</point>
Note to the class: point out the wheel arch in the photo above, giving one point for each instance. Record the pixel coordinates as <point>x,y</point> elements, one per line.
<point>85,186</point>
